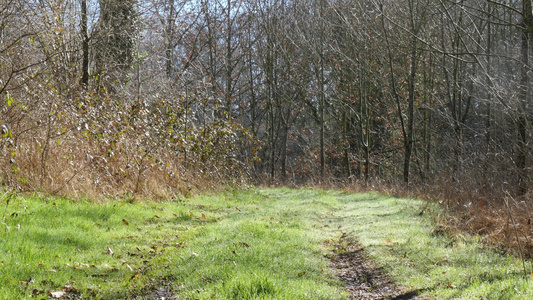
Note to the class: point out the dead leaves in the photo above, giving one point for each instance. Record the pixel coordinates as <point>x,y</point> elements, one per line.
<point>242,244</point>
<point>448,285</point>
<point>65,291</point>
<point>239,245</point>
<point>29,281</point>
<point>58,294</point>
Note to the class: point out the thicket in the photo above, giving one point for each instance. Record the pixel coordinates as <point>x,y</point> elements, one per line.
<point>93,145</point>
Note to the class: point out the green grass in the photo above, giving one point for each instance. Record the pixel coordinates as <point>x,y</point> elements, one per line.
<point>236,245</point>
<point>257,244</point>
<point>441,265</point>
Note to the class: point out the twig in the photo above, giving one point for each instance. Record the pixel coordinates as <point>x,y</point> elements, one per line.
<point>5,211</point>
<point>7,204</point>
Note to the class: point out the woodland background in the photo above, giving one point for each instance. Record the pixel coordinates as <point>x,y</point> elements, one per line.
<point>157,97</point>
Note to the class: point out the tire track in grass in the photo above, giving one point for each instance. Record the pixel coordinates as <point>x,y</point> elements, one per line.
<point>363,279</point>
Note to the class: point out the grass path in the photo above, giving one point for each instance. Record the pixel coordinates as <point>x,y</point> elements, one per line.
<point>407,245</point>
<point>259,244</point>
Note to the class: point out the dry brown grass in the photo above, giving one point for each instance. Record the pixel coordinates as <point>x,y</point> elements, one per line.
<point>499,219</point>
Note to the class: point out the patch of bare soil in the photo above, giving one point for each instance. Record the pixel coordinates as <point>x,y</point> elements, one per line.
<point>364,280</point>
<point>159,289</point>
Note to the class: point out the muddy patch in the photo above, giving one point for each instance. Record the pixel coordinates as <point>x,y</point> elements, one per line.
<point>365,280</point>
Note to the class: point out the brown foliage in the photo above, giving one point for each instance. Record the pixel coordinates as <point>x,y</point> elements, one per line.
<point>95,145</point>
<point>498,218</point>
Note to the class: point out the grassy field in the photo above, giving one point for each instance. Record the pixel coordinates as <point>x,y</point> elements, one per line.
<point>256,244</point>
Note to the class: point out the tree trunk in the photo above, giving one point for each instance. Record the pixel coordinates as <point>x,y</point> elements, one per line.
<point>85,46</point>
<point>228,95</point>
<point>284,153</point>
<point>346,147</point>
<point>521,159</point>
<point>408,140</point>
<point>170,38</point>
<point>322,94</point>
<point>364,119</point>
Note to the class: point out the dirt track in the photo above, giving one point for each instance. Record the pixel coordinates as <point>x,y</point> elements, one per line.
<point>364,280</point>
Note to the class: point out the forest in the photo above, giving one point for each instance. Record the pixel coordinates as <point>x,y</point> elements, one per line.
<point>153,97</point>
<point>266,149</point>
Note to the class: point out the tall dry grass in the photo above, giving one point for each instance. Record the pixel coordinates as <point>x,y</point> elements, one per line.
<point>499,218</point>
